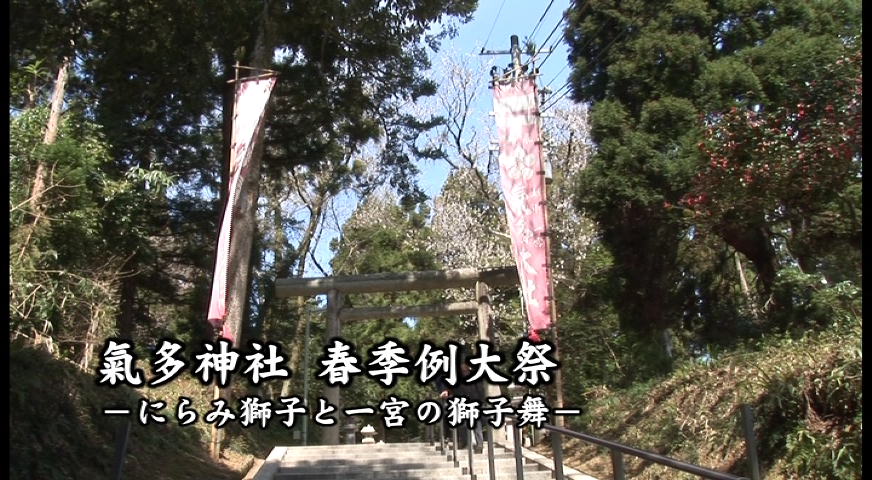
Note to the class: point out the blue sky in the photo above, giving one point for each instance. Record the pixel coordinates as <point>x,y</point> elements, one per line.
<point>494,23</point>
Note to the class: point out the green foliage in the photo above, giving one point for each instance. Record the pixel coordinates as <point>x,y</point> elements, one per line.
<point>354,69</point>
<point>815,403</point>
<point>661,78</point>
<point>818,303</point>
<point>680,184</point>
<point>63,267</point>
<point>758,160</point>
<point>383,235</point>
<point>798,165</point>
<point>153,76</point>
<point>58,429</point>
<point>806,395</point>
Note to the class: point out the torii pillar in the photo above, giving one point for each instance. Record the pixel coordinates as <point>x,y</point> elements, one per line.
<point>330,434</point>
<point>486,333</point>
<point>337,287</point>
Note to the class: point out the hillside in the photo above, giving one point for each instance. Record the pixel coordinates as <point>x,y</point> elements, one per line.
<point>806,394</point>
<point>58,431</point>
<point>807,397</point>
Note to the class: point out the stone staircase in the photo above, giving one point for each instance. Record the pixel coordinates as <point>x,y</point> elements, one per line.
<point>399,461</point>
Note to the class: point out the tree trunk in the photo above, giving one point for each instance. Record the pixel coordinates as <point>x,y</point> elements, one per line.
<point>243,235</point>
<point>57,103</point>
<point>746,291</point>
<point>227,102</point>
<point>666,342</point>
<point>755,244</point>
<point>558,379</point>
<point>51,134</point>
<point>798,249</point>
<point>303,252</point>
<point>37,191</point>
<point>267,319</point>
<point>265,325</point>
<point>90,340</point>
<point>126,310</point>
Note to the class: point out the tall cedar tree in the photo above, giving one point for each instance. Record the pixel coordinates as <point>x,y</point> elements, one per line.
<point>654,71</point>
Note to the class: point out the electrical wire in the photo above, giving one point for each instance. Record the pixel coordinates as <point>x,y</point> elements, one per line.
<point>551,50</point>
<point>562,19</point>
<point>495,23</point>
<point>777,44</point>
<point>604,50</point>
<point>592,37</point>
<point>550,103</point>
<point>558,74</point>
<point>567,92</point>
<point>539,23</point>
<point>554,46</point>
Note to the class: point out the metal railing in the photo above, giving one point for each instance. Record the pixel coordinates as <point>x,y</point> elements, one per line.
<point>616,450</point>
<point>121,439</point>
<point>470,467</point>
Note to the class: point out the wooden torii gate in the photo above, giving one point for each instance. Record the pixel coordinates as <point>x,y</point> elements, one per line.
<point>337,287</point>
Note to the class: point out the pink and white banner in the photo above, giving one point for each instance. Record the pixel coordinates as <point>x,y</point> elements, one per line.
<point>523,182</point>
<point>252,96</point>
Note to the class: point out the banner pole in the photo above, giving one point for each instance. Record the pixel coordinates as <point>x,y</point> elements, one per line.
<point>549,266</point>
<point>216,389</point>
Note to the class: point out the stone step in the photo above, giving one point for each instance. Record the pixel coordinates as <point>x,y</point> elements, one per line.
<point>388,460</point>
<point>319,464</point>
<point>453,474</point>
<point>365,446</point>
<point>361,451</point>
<point>376,455</point>
<point>322,466</point>
<point>441,469</point>
<point>463,455</point>
<point>417,461</point>
<point>382,453</point>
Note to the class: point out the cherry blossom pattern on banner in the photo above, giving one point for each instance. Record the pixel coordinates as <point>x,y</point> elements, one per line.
<point>523,188</point>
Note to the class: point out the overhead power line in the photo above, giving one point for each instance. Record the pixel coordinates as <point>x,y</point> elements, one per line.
<point>539,23</point>
<point>552,103</point>
<point>562,19</point>
<point>494,24</point>
<point>550,51</point>
<point>600,29</point>
<point>825,10</point>
<point>558,74</point>
<point>591,64</point>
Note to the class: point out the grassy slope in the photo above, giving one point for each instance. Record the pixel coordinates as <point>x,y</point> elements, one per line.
<point>806,396</point>
<point>57,430</point>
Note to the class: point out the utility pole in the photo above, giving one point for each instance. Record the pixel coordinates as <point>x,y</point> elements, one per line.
<point>516,57</point>
<point>514,71</point>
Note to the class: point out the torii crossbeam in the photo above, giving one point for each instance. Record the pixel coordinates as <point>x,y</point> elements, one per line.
<point>337,286</point>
